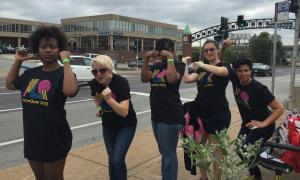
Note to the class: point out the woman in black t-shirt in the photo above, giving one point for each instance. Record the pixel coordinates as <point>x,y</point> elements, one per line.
<point>167,115</point>
<point>253,100</point>
<point>44,90</point>
<point>212,80</point>
<point>111,94</point>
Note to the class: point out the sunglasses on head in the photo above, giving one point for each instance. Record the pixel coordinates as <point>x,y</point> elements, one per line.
<point>101,71</point>
<point>209,49</point>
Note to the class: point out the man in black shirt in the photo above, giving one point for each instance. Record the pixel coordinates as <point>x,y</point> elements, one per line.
<point>253,100</point>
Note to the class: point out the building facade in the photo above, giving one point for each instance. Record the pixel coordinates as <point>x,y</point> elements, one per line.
<point>14,32</point>
<point>123,38</point>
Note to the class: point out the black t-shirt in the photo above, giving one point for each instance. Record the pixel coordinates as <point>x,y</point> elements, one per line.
<point>211,97</point>
<point>165,100</point>
<point>120,92</point>
<point>47,135</point>
<point>252,99</point>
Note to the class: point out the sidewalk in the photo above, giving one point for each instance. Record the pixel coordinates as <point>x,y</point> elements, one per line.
<point>143,160</point>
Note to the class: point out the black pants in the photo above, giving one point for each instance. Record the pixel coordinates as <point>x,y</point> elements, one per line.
<point>255,135</point>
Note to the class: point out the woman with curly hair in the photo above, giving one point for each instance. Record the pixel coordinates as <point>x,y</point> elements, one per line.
<point>44,90</point>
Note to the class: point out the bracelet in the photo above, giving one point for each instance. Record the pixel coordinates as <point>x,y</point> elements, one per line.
<point>170,60</point>
<point>98,107</point>
<point>66,60</point>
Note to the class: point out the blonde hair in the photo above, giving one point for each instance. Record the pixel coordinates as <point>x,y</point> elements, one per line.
<point>104,60</point>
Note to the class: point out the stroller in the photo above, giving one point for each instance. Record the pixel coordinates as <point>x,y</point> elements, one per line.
<point>282,153</point>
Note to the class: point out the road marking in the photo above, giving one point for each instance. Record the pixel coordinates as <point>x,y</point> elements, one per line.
<point>9,93</point>
<point>85,100</point>
<point>80,126</point>
<point>72,128</point>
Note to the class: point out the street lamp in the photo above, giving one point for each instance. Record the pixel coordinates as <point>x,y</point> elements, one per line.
<point>137,53</point>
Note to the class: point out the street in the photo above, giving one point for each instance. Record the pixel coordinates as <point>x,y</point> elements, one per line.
<point>86,127</point>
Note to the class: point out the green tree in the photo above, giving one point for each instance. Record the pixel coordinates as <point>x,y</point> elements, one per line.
<point>195,53</point>
<point>229,55</point>
<point>261,48</point>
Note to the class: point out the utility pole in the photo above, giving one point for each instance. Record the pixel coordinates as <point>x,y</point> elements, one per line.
<point>137,54</point>
<point>295,50</point>
<point>274,56</point>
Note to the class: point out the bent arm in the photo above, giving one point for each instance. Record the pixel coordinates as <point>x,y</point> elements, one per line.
<point>278,110</point>
<point>219,71</point>
<point>70,87</point>
<point>121,108</point>
<point>145,74</point>
<point>13,73</point>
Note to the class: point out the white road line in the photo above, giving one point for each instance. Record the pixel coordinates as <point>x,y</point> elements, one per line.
<point>84,125</point>
<point>9,93</point>
<point>8,110</point>
<point>72,128</point>
<point>85,100</point>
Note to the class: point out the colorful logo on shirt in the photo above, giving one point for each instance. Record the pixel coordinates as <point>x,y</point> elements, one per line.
<point>205,79</point>
<point>159,78</point>
<point>36,92</point>
<point>104,106</point>
<point>242,97</point>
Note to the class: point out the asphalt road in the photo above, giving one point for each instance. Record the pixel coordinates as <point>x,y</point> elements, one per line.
<point>86,127</point>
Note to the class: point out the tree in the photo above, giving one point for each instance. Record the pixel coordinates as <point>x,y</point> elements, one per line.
<point>195,53</point>
<point>229,55</point>
<point>261,48</point>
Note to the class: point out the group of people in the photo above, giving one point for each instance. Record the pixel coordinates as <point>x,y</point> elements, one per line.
<point>44,90</point>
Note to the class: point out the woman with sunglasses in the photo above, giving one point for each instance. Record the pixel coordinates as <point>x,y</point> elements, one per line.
<point>111,94</point>
<point>44,90</point>
<point>212,79</point>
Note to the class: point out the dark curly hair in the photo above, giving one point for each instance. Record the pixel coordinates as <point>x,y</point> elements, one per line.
<point>242,61</point>
<point>47,32</point>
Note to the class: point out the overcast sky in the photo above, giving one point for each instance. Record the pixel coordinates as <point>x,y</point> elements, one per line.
<point>198,14</point>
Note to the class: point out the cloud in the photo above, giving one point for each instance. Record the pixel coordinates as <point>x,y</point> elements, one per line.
<point>198,14</point>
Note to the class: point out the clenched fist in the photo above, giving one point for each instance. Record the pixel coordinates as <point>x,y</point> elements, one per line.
<point>106,93</point>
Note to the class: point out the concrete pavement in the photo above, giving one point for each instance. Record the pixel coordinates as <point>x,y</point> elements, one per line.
<point>143,160</point>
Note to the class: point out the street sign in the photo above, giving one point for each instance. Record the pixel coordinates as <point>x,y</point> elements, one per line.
<point>104,33</point>
<point>282,11</point>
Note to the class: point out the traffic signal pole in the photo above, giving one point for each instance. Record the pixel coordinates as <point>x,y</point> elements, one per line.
<point>274,56</point>
<point>295,52</point>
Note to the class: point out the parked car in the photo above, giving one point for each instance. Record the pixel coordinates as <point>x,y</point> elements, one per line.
<point>81,66</point>
<point>133,63</point>
<point>115,62</point>
<point>261,69</point>
<point>9,50</point>
<point>90,55</point>
<point>1,51</point>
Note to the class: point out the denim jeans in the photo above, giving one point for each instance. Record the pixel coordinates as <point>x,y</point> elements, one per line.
<point>117,142</point>
<point>167,136</point>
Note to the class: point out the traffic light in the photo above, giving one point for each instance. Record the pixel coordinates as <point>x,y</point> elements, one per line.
<point>225,35</point>
<point>294,6</point>
<point>240,20</point>
<point>218,38</point>
<point>224,23</point>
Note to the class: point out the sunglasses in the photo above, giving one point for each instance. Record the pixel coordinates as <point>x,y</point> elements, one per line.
<point>101,71</point>
<point>209,49</point>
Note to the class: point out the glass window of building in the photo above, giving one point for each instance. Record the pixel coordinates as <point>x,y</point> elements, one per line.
<point>120,43</point>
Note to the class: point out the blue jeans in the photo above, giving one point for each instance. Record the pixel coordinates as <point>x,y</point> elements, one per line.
<point>167,136</point>
<point>117,142</point>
